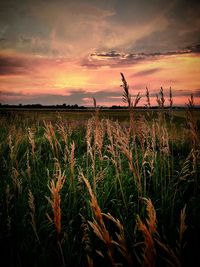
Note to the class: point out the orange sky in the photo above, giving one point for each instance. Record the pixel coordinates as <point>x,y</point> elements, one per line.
<point>71,51</point>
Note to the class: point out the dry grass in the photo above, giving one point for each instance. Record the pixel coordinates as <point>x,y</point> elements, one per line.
<point>55,200</point>
<point>148,230</point>
<point>98,224</point>
<point>31,203</point>
<point>145,172</point>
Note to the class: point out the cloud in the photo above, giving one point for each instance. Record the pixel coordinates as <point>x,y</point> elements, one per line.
<point>10,93</point>
<point>194,48</point>
<point>22,64</point>
<point>115,59</point>
<point>78,28</point>
<point>175,93</point>
<point>86,43</point>
<point>182,30</point>
<point>2,40</point>
<point>111,54</point>
<point>70,24</point>
<point>80,97</point>
<point>147,72</point>
<point>10,65</point>
<point>186,93</point>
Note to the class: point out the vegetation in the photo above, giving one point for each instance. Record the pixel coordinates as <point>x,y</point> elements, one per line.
<point>101,191</point>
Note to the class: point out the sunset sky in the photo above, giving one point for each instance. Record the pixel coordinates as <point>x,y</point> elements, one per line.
<point>68,51</point>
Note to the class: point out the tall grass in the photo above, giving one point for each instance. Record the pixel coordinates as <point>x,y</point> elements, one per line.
<point>103,192</point>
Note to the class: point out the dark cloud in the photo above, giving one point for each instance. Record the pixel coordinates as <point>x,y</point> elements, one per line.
<point>165,41</point>
<point>13,65</point>
<point>147,72</point>
<point>25,40</point>
<point>79,97</point>
<point>82,97</point>
<point>103,95</point>
<point>10,93</point>
<point>194,48</point>
<point>114,59</point>
<point>18,65</point>
<point>175,93</point>
<point>182,29</point>
<point>185,92</point>
<point>111,54</point>
<point>2,40</point>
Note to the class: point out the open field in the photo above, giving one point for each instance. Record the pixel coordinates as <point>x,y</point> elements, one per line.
<point>83,115</point>
<point>100,188</point>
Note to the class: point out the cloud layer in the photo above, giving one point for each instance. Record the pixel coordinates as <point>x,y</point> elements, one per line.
<point>76,28</point>
<point>51,49</point>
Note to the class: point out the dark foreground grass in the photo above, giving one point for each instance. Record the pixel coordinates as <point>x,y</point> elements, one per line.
<point>84,190</point>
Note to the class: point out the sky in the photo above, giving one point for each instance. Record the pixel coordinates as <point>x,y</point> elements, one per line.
<point>68,51</point>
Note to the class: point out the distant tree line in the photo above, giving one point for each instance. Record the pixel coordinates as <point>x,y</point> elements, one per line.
<point>73,107</point>
<point>40,106</point>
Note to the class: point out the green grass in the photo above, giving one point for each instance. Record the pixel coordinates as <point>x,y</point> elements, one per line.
<point>164,155</point>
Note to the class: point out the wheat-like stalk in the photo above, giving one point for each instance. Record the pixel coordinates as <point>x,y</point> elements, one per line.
<point>160,98</point>
<point>111,128</point>
<point>72,161</point>
<point>151,215</point>
<point>28,165</point>
<point>98,137</point>
<point>31,203</point>
<point>55,199</point>
<point>137,100</point>
<point>31,141</point>
<point>17,183</point>
<point>148,230</point>
<point>148,98</point>
<point>51,137</point>
<point>192,123</point>
<point>98,224</point>
<point>126,95</point>
<point>149,252</point>
<point>121,241</point>
<point>11,146</point>
<point>183,225</point>
<point>63,131</point>
<point>122,142</point>
<point>170,98</point>
<point>98,130</point>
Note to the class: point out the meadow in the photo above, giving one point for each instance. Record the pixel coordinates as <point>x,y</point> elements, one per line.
<point>114,188</point>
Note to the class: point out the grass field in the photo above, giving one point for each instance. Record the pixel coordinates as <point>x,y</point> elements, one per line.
<point>100,188</point>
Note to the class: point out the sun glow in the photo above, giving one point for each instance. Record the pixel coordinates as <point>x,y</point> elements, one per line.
<point>72,80</point>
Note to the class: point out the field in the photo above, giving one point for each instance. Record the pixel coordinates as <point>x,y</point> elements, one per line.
<point>100,188</point>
